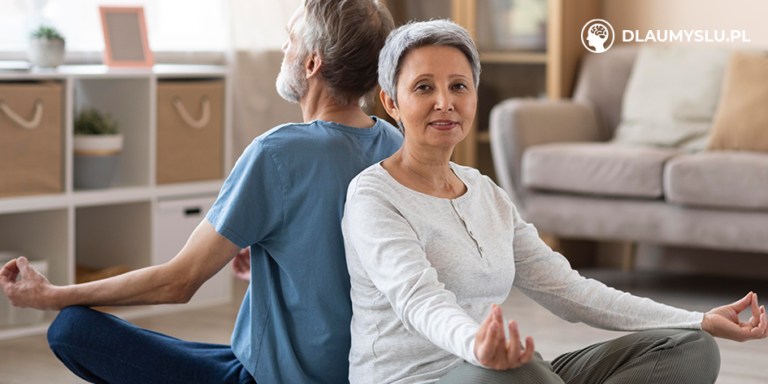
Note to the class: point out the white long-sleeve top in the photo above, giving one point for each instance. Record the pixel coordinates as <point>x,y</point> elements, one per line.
<point>426,270</point>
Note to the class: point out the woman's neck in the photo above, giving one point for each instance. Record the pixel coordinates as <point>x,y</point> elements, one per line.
<point>426,170</point>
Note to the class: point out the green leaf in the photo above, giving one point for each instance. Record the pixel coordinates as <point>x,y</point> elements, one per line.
<point>92,122</point>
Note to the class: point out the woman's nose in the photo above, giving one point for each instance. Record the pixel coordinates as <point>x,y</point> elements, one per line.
<point>444,101</point>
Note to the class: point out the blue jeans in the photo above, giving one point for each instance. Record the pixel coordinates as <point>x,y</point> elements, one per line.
<point>101,348</point>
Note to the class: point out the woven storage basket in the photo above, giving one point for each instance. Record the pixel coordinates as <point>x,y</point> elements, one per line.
<point>190,134</point>
<point>30,138</point>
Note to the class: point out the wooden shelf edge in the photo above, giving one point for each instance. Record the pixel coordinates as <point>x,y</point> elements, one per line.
<point>514,57</point>
<point>484,137</point>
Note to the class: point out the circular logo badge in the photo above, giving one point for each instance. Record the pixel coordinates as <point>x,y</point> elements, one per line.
<point>597,35</point>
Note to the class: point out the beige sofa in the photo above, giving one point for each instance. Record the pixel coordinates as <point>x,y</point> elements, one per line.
<point>555,160</point>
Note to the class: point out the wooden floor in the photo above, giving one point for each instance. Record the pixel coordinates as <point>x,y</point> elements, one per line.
<point>29,360</point>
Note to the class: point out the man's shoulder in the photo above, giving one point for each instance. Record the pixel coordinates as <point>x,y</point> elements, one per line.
<point>315,135</point>
<point>284,133</point>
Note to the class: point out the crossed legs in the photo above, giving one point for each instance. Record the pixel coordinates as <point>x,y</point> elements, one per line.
<point>102,348</point>
<point>665,356</point>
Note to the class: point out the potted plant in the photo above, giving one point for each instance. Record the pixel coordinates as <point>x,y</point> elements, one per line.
<point>46,47</point>
<point>97,148</point>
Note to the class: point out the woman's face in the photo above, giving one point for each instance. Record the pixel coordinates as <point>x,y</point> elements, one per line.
<point>436,97</point>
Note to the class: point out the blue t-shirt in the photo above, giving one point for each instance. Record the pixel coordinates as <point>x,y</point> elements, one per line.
<point>285,199</point>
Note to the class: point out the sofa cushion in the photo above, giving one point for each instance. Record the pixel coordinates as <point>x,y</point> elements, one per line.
<point>741,122</point>
<point>671,97</point>
<point>596,169</point>
<point>718,179</point>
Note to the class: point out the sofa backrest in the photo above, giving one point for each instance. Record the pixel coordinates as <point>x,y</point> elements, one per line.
<point>601,83</point>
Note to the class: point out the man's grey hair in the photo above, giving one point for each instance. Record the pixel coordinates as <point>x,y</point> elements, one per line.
<point>348,35</point>
<point>419,34</point>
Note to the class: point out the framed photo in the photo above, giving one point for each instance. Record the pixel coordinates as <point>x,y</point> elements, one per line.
<point>125,37</point>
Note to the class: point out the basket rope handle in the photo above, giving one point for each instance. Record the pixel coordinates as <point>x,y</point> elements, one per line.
<point>204,119</point>
<point>34,123</point>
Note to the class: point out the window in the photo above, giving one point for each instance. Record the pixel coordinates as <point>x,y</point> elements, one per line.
<point>173,25</point>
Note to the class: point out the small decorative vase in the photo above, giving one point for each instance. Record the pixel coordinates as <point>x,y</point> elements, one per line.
<point>96,158</point>
<point>46,53</point>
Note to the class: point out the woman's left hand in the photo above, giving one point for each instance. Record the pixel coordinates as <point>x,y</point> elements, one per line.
<point>724,321</point>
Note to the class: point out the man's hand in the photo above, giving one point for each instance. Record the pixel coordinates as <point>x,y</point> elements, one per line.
<point>241,264</point>
<point>492,348</point>
<point>32,291</point>
<point>724,321</point>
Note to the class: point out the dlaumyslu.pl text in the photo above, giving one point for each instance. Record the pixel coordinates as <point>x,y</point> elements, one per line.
<point>698,36</point>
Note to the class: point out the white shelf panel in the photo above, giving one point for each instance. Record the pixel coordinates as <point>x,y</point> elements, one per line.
<point>33,203</point>
<point>35,74</point>
<point>87,198</point>
<point>102,71</point>
<point>165,71</point>
<point>186,189</point>
<point>93,197</point>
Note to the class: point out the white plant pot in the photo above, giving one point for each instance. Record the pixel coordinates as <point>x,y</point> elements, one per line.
<point>96,159</point>
<point>46,53</point>
<point>94,145</point>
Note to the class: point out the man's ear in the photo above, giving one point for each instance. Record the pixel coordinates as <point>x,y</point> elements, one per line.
<point>389,105</point>
<point>313,64</point>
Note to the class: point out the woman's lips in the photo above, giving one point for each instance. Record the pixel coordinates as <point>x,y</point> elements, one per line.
<point>443,125</point>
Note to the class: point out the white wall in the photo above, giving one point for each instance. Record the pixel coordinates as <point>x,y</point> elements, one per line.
<point>644,15</point>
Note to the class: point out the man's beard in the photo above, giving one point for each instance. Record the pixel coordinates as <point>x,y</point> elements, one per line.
<point>291,83</point>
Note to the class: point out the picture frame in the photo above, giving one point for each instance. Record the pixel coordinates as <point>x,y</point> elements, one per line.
<point>125,37</point>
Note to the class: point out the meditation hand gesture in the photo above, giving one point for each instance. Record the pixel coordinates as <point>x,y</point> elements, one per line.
<point>492,348</point>
<point>32,291</point>
<point>724,321</point>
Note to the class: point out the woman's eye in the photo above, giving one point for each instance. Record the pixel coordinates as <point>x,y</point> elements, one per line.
<point>422,87</point>
<point>460,86</point>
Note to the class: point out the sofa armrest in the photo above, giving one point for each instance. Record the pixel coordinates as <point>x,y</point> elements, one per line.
<point>517,124</point>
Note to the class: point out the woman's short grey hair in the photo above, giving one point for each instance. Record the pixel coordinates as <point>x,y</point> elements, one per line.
<point>348,34</point>
<point>419,34</point>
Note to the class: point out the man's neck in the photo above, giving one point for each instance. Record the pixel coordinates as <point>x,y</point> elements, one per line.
<point>318,105</point>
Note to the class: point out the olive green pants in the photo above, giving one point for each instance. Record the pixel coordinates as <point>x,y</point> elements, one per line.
<point>667,356</point>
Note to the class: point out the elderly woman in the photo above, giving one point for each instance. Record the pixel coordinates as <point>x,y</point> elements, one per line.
<point>431,246</point>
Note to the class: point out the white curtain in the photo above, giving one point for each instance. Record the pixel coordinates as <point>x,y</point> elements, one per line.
<point>258,30</point>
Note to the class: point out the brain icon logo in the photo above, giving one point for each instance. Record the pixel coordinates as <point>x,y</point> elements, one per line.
<point>595,34</point>
<point>599,30</point>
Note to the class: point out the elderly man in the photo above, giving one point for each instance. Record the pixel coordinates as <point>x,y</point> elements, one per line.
<point>284,199</point>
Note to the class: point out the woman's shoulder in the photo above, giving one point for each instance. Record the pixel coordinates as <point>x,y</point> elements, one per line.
<point>373,181</point>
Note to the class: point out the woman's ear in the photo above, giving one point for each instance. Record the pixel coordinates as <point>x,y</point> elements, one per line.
<point>389,105</point>
<point>313,64</point>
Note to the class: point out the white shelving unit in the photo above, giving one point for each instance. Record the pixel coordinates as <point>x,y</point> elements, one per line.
<point>117,225</point>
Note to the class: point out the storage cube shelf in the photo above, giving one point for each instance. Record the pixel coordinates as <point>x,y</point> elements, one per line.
<point>129,223</point>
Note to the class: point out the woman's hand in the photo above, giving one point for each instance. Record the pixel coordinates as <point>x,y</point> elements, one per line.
<point>241,264</point>
<point>32,291</point>
<point>724,321</point>
<point>494,351</point>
